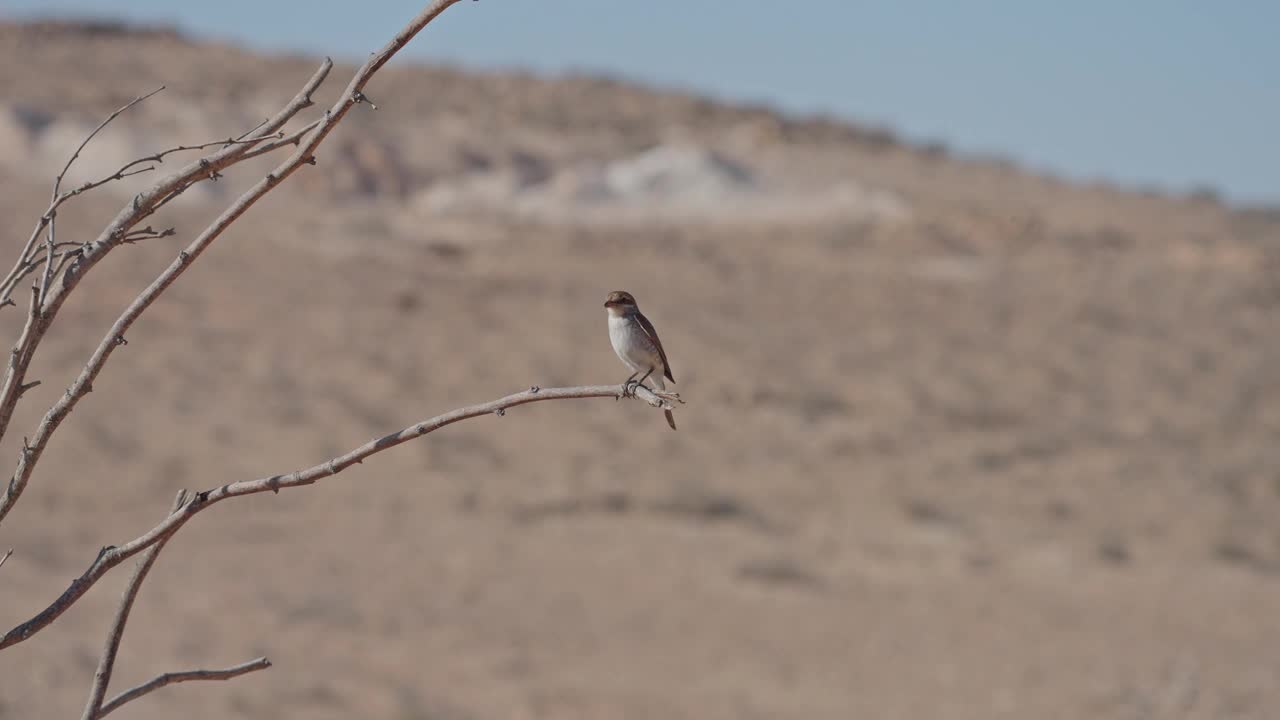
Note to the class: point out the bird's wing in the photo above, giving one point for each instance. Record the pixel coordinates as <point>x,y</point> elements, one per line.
<point>653,336</point>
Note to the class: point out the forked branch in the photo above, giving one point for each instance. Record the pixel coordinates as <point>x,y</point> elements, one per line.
<point>170,678</point>
<point>110,557</point>
<point>107,660</point>
<point>96,708</point>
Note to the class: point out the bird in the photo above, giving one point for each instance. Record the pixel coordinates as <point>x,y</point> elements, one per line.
<point>636,343</point>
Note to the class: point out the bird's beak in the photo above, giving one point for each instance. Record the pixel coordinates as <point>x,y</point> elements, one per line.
<point>606,303</point>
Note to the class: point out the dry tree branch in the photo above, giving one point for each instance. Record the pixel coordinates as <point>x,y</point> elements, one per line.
<point>57,183</point>
<point>45,305</point>
<point>170,678</point>
<point>109,557</point>
<point>126,170</point>
<point>158,158</point>
<point>5,557</point>
<point>57,199</point>
<point>107,661</point>
<point>26,267</point>
<point>144,204</point>
<point>292,138</point>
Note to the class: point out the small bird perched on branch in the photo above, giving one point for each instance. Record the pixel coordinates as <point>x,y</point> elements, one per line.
<point>636,343</point>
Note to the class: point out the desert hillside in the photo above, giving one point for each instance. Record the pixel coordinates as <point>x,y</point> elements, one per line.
<point>961,441</point>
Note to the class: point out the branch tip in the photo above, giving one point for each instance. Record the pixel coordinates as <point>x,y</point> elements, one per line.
<point>170,678</point>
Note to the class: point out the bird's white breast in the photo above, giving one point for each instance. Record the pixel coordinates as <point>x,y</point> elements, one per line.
<point>631,344</point>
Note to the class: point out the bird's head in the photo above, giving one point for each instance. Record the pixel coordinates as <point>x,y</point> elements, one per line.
<point>620,302</point>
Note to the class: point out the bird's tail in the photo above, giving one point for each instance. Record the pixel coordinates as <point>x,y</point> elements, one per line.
<point>658,383</point>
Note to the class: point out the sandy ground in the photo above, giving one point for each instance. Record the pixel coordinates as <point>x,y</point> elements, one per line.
<point>961,442</point>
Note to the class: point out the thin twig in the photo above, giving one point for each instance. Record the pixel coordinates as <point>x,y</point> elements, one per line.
<point>129,169</point>
<point>58,182</point>
<point>159,157</point>
<point>145,203</point>
<point>29,267</point>
<point>5,556</point>
<point>147,233</point>
<point>48,215</point>
<point>291,139</point>
<point>107,661</point>
<point>20,357</point>
<point>122,173</point>
<point>48,266</point>
<point>253,129</point>
<point>64,259</point>
<point>170,678</point>
<point>90,254</point>
<point>110,557</point>
<point>54,201</point>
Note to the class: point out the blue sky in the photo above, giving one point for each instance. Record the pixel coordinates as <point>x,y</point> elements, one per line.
<point>1176,94</point>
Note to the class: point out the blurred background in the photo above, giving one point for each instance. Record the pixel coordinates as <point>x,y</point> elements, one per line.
<point>974,309</point>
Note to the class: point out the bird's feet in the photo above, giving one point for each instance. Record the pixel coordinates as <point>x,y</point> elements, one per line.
<point>626,388</point>
<point>629,389</point>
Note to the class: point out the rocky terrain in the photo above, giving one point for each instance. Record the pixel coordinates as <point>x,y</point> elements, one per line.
<point>961,442</point>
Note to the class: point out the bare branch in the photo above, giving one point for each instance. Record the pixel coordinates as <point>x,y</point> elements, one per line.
<point>110,557</point>
<point>160,156</point>
<point>25,269</point>
<point>48,265</point>
<point>229,155</point>
<point>48,216</point>
<point>160,681</point>
<point>5,556</point>
<point>20,355</point>
<point>146,203</point>
<point>253,129</point>
<point>107,661</point>
<point>147,233</point>
<point>127,170</point>
<point>50,301</point>
<point>122,173</point>
<point>57,183</point>
<point>55,200</point>
<point>291,139</point>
